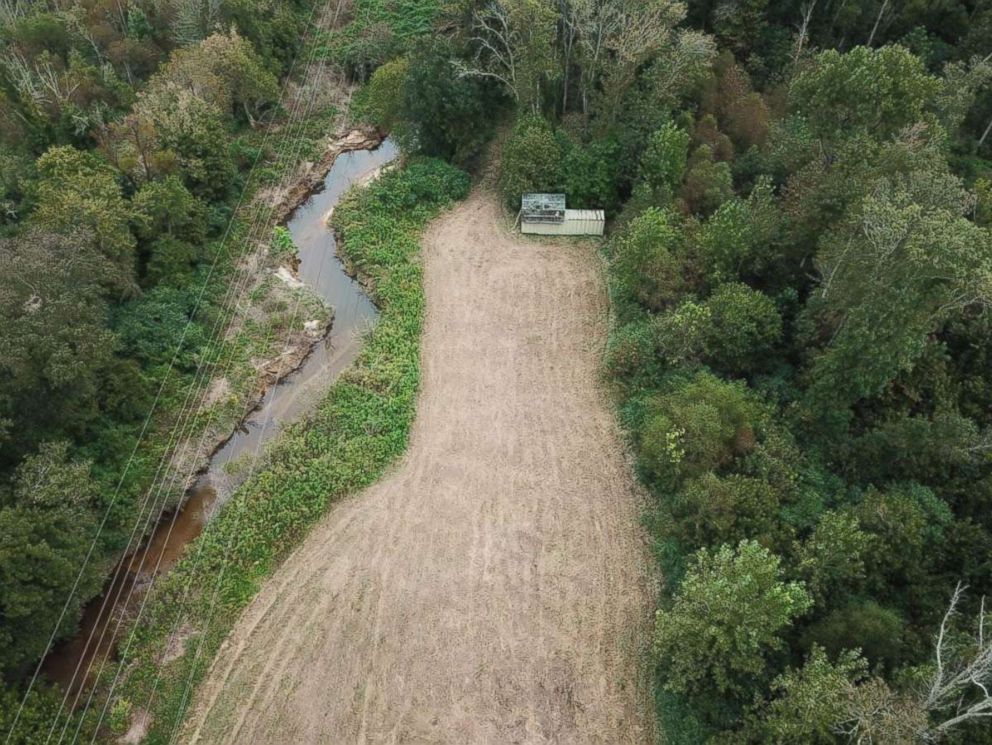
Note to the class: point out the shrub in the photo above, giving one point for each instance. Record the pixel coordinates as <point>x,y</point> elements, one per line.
<point>683,335</point>
<point>699,426</point>
<point>875,630</point>
<point>448,115</point>
<point>663,162</point>
<point>745,326</point>
<point>382,100</point>
<point>708,184</point>
<point>726,619</point>
<point>630,351</point>
<point>712,510</point>
<point>650,259</point>
<point>880,91</point>
<point>531,160</point>
<point>809,702</point>
<point>590,175</point>
<point>733,242</point>
<point>831,560</point>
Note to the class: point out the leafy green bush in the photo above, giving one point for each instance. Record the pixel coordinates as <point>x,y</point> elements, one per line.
<point>650,259</point>
<point>880,91</point>
<point>725,620</point>
<point>381,30</point>
<point>875,630</point>
<point>41,714</point>
<point>713,510</point>
<point>590,175</point>
<point>708,184</point>
<point>531,160</point>
<point>630,351</point>
<point>664,161</point>
<point>699,425</point>
<point>744,328</point>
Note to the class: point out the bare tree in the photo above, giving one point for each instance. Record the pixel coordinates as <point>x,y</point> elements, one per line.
<point>959,690</point>
<point>515,45</point>
<point>878,20</point>
<point>803,35</point>
<point>640,31</point>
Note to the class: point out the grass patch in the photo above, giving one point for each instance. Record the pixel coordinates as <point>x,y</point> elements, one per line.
<point>381,30</point>
<point>360,427</point>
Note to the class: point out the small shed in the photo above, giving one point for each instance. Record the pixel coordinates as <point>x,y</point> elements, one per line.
<point>546,214</point>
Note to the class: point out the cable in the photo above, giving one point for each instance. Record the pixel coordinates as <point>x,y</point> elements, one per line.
<point>260,224</point>
<point>294,158</point>
<point>144,429</point>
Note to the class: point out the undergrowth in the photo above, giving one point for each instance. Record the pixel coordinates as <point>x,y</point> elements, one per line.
<point>360,427</point>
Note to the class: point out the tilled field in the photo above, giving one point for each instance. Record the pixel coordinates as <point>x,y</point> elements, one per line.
<point>493,588</point>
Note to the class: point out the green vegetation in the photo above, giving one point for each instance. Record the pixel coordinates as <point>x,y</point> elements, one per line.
<point>800,269</point>
<point>360,427</point>
<point>125,140</point>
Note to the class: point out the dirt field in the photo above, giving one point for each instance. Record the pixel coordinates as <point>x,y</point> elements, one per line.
<point>494,587</point>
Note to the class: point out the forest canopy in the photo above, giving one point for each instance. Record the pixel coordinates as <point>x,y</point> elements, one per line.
<point>122,148</point>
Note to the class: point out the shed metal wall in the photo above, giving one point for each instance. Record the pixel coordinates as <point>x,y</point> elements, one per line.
<point>576,222</point>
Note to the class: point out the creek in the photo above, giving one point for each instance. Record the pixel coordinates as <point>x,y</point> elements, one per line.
<point>70,662</point>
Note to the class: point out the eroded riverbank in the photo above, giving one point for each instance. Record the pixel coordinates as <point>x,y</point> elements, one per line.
<point>311,371</point>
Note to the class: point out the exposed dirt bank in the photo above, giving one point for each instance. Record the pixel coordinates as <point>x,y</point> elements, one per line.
<point>494,588</point>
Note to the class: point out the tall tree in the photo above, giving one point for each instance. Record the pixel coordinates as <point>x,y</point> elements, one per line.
<point>726,619</point>
<point>515,45</point>
<point>53,342</point>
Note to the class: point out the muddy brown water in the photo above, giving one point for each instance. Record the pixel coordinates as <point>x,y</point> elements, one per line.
<point>71,662</point>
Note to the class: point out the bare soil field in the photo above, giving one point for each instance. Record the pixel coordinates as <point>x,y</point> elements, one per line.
<point>494,587</point>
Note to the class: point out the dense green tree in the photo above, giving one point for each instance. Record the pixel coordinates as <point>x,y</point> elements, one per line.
<point>41,552</point>
<point>54,345</point>
<point>651,258</point>
<point>908,523</point>
<point>45,533</point>
<point>166,208</point>
<point>809,703</point>
<point>172,225</point>
<point>832,559</point>
<point>745,327</point>
<point>876,91</point>
<point>78,190</point>
<point>713,510</point>
<point>708,183</point>
<point>874,629</point>
<point>734,241</point>
<point>683,334</point>
<point>448,115</point>
<point>700,425</point>
<point>531,160</point>
<point>591,175</point>
<point>726,620</point>
<point>663,163</point>
<point>382,101</point>
<point>36,713</point>
<point>891,274</point>
<point>223,70</point>
<point>193,131</point>
<point>274,28</point>
<point>739,25</point>
<point>158,326</point>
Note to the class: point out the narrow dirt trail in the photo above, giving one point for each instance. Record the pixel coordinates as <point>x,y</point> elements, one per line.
<point>493,588</point>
